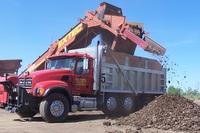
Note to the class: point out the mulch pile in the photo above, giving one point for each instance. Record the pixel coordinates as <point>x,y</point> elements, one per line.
<point>166,112</point>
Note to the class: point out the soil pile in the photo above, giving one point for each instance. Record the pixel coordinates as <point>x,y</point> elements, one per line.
<point>166,112</point>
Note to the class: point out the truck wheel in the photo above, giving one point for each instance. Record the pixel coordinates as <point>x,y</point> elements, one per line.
<point>27,113</point>
<point>54,108</point>
<point>146,101</point>
<point>111,105</point>
<point>127,104</point>
<point>3,105</point>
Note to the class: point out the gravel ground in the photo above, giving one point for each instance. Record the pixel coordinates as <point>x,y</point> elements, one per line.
<point>80,122</point>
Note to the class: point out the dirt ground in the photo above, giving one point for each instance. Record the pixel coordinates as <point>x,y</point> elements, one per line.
<point>79,122</point>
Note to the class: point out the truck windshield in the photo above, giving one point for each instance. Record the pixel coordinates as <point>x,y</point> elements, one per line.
<point>61,63</point>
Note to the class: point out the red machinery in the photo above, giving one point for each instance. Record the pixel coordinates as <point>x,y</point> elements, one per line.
<point>11,67</point>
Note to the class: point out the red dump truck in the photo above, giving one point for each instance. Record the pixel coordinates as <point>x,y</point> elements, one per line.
<point>71,77</point>
<point>88,79</point>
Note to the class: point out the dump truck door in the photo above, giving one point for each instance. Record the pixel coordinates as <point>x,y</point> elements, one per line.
<point>83,78</point>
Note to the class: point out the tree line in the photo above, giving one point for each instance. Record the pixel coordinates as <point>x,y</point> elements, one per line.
<point>190,93</point>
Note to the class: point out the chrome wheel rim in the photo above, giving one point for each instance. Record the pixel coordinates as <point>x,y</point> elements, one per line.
<point>57,108</point>
<point>111,103</point>
<point>128,103</point>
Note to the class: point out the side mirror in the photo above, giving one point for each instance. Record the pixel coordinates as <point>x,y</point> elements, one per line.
<point>6,75</point>
<point>85,64</point>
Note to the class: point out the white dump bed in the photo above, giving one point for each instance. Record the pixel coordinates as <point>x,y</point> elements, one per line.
<point>126,73</point>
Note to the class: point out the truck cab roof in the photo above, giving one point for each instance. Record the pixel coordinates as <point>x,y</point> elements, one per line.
<point>74,54</point>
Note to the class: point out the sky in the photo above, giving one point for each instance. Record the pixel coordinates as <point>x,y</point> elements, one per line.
<point>28,27</point>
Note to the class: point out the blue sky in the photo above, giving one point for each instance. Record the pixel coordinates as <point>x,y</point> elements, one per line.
<point>28,27</point>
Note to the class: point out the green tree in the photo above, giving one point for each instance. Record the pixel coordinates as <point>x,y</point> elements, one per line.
<point>173,90</point>
<point>192,93</point>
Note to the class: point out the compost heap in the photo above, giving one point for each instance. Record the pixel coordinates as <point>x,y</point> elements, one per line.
<point>166,112</point>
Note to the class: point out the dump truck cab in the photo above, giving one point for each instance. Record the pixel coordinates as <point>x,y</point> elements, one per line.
<point>67,71</point>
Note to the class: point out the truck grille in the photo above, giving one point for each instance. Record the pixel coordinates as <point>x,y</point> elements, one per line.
<point>25,83</point>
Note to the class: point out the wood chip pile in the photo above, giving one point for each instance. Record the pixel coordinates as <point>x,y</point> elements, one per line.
<point>166,112</point>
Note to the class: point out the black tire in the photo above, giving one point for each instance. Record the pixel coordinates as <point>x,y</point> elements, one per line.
<point>127,104</point>
<point>146,100</point>
<point>143,101</point>
<point>3,105</point>
<point>54,108</point>
<point>26,113</point>
<point>111,105</point>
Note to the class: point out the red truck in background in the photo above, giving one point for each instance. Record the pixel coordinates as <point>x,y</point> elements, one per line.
<point>108,77</point>
<point>10,67</point>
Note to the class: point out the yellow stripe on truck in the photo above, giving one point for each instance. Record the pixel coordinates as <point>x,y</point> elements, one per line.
<point>71,34</point>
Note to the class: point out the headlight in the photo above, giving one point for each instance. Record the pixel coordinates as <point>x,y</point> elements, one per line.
<point>39,91</point>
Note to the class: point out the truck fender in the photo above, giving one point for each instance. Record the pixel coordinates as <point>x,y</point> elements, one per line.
<point>59,89</point>
<point>51,86</point>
